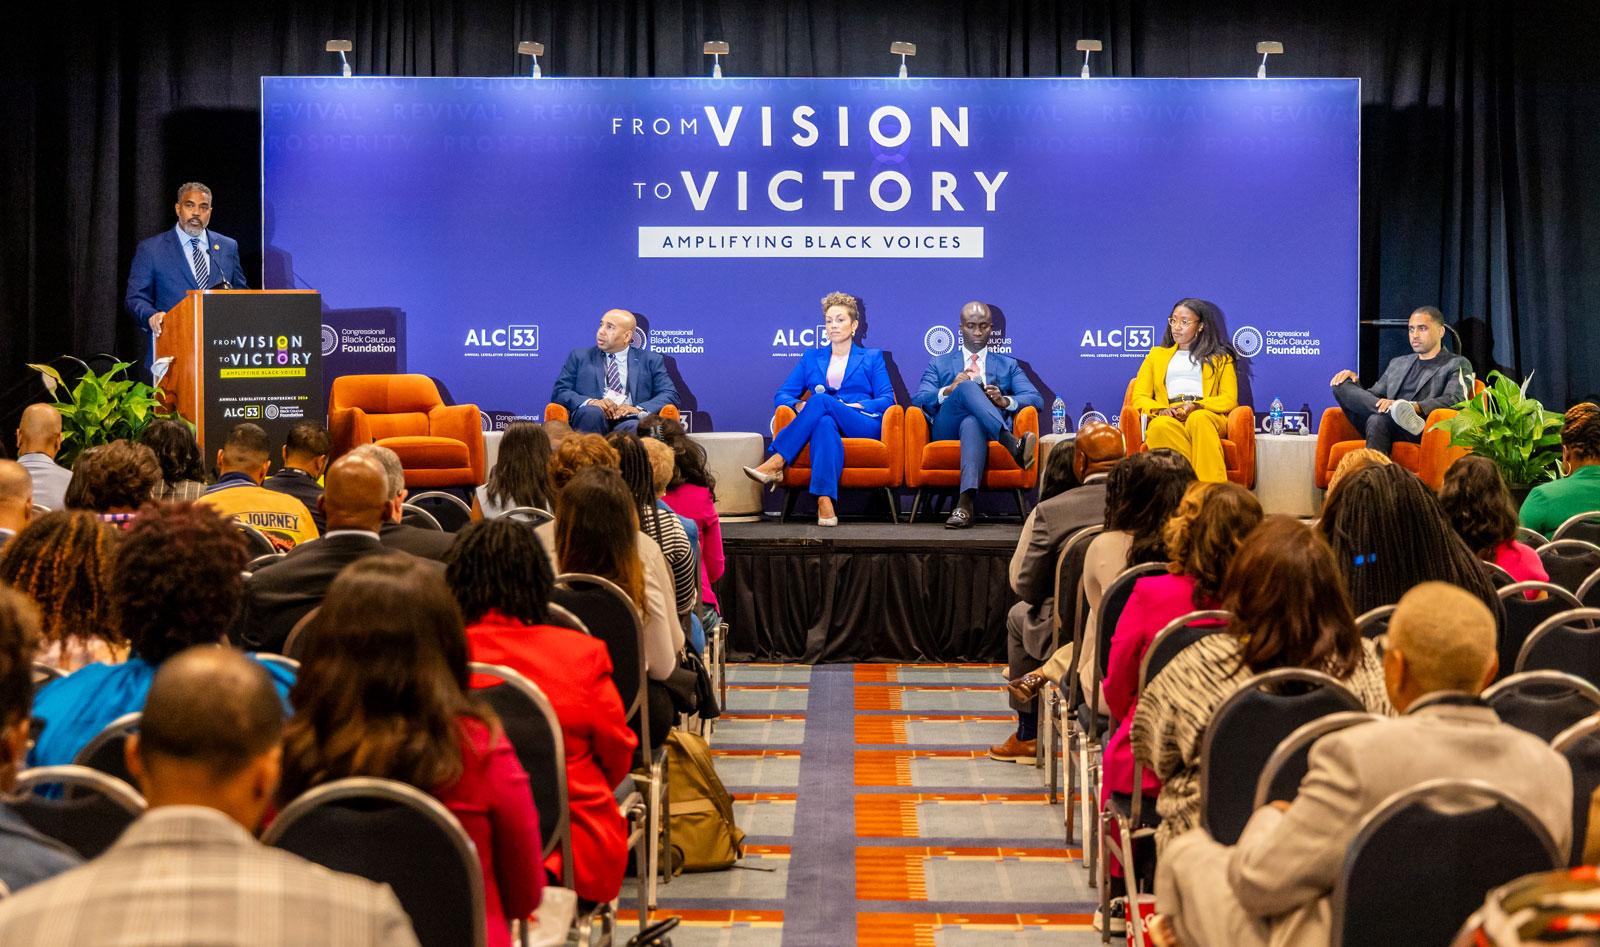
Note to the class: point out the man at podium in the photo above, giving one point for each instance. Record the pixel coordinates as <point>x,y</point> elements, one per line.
<point>168,265</point>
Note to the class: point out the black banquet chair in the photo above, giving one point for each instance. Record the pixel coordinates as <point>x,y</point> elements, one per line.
<point>1579,745</point>
<point>1569,561</point>
<point>1543,703</point>
<point>1569,641</point>
<point>256,542</point>
<point>1374,622</point>
<point>448,510</point>
<point>413,515</point>
<point>105,750</point>
<point>1584,526</point>
<point>397,835</point>
<point>1060,729</point>
<point>532,515</point>
<point>88,817</point>
<point>1287,766</point>
<point>1589,591</point>
<point>1421,863</point>
<point>1523,615</point>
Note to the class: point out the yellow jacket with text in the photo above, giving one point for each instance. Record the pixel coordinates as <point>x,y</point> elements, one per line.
<point>1218,382</point>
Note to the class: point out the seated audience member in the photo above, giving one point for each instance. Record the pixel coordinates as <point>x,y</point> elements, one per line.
<point>383,693</point>
<point>1412,387</point>
<point>1289,610</point>
<point>113,480</point>
<point>1359,459</point>
<point>1478,504</point>
<point>663,526</point>
<point>502,581</point>
<point>1061,512</point>
<point>183,473</point>
<point>62,562</point>
<point>189,870</point>
<point>305,457</point>
<point>520,475</point>
<point>1553,503</point>
<point>16,500</point>
<point>175,582</point>
<point>1141,493</point>
<point>661,469</point>
<point>597,532</point>
<point>38,443</point>
<point>242,464</point>
<point>1272,887</point>
<point>356,503</point>
<point>417,540</point>
<point>1388,533</point>
<point>692,494</point>
<point>26,855</point>
<point>1544,909</point>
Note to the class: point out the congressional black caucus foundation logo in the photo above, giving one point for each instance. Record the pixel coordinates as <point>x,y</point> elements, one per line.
<point>330,340</point>
<point>1247,341</point>
<point>939,340</point>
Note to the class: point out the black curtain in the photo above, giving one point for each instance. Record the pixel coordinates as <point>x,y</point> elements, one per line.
<point>1480,190</point>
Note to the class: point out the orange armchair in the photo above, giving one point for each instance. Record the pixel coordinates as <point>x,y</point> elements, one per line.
<point>439,445</point>
<point>938,463</point>
<point>556,412</point>
<point>872,463</point>
<point>1238,444</point>
<point>1337,437</point>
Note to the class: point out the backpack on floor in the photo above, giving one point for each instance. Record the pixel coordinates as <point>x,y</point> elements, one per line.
<point>704,837</point>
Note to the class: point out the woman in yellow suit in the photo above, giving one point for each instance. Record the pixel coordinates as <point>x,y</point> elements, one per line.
<point>1187,385</point>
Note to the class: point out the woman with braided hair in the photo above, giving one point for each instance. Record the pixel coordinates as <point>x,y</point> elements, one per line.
<point>1551,504</point>
<point>62,561</point>
<point>660,525</point>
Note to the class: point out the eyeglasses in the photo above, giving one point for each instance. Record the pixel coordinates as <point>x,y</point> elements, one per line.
<point>1183,323</point>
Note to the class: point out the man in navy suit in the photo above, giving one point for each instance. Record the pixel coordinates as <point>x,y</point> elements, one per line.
<point>168,265</point>
<point>971,395</point>
<point>608,387</point>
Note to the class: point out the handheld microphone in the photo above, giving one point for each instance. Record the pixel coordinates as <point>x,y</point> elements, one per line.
<point>821,389</point>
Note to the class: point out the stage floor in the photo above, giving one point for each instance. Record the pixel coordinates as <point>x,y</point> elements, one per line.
<point>866,591</point>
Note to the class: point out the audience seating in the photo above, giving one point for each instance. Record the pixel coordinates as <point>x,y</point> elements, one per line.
<point>1336,437</point>
<point>937,464</point>
<point>1569,561</point>
<point>296,639</point>
<point>875,463</point>
<point>104,752</point>
<point>1589,591</point>
<point>556,412</point>
<point>91,815</point>
<point>1420,865</point>
<point>256,542</point>
<point>1061,717</point>
<point>1238,443</point>
<point>1565,642</point>
<point>1287,766</point>
<point>531,515</point>
<point>562,618</point>
<point>1245,730</point>
<point>1584,526</point>
<point>264,559</point>
<point>1543,703</point>
<point>45,673</point>
<point>413,515</point>
<point>1579,745</point>
<point>396,834</point>
<point>1374,622</point>
<point>1498,577</point>
<point>449,510</point>
<point>1530,537</point>
<point>439,445</point>
<point>1524,614</point>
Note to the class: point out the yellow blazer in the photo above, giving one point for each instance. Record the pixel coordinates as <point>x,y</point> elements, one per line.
<point>1217,380</point>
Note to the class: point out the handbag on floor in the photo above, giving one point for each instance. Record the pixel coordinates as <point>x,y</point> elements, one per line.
<point>704,836</point>
<point>691,688</point>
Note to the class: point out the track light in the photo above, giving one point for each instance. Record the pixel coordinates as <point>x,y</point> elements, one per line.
<point>1266,49</point>
<point>716,49</point>
<point>341,46</point>
<point>535,50</point>
<point>1087,46</point>
<point>903,50</point>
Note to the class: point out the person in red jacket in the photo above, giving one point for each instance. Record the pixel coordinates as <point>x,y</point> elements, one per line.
<point>501,577</point>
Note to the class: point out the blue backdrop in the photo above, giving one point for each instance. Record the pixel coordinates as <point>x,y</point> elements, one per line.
<point>475,229</point>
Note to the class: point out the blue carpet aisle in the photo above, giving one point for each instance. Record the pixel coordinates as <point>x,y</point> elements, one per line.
<point>867,792</point>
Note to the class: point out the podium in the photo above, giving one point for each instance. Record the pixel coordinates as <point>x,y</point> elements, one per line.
<point>243,355</point>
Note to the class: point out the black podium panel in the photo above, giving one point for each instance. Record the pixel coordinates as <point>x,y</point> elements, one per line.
<point>263,364</point>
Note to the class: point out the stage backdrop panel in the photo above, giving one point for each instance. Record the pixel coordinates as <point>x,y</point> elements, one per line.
<point>492,221</point>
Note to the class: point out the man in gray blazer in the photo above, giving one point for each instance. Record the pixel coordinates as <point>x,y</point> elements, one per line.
<point>1273,886</point>
<point>189,870</point>
<point>1412,387</point>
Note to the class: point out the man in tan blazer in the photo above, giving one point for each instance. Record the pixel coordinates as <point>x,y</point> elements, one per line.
<point>1272,887</point>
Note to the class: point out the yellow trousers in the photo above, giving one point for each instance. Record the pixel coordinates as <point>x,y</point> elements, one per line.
<point>1198,438</point>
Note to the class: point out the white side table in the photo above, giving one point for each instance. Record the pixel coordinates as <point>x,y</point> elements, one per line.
<point>1285,474</point>
<point>726,453</point>
<point>1047,443</point>
<point>491,450</point>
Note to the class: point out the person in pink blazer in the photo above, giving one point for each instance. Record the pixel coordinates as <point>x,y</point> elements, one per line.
<point>692,494</point>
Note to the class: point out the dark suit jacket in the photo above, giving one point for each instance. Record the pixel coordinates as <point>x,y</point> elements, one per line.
<point>278,595</point>
<point>298,484</point>
<point>1002,371</point>
<point>1034,567</point>
<point>866,379</point>
<point>1440,385</point>
<point>427,543</point>
<point>584,376</point>
<point>160,276</point>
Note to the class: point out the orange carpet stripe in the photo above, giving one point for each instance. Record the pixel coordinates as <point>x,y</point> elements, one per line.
<point>764,797</point>
<point>890,874</point>
<point>877,673</point>
<point>767,687</point>
<point>762,717</point>
<point>768,851</point>
<point>766,754</point>
<point>704,918</point>
<point>878,698</point>
<point>886,816</point>
<point>894,930</point>
<point>880,730</point>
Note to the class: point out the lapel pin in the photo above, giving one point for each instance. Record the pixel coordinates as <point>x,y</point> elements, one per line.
<point>216,246</point>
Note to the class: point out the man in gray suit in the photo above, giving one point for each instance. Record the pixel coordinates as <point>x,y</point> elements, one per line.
<point>1273,886</point>
<point>189,871</point>
<point>1030,623</point>
<point>1412,387</point>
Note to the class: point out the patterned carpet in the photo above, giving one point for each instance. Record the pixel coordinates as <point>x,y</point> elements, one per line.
<point>875,817</point>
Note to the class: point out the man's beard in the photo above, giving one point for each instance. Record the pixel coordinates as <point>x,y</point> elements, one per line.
<point>192,229</point>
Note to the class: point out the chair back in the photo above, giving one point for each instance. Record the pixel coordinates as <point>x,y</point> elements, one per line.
<point>394,834</point>
<point>1589,592</point>
<point>1113,599</point>
<point>448,510</point>
<point>256,542</point>
<point>296,641</point>
<point>1584,526</point>
<point>1180,633</point>
<point>88,817</point>
<point>1569,561</point>
<point>1523,615</point>
<point>532,515</point>
<point>104,752</point>
<point>1287,766</point>
<point>1543,703</point>
<point>534,731</point>
<point>265,559</point>
<point>1069,588</point>
<point>610,616</point>
<point>1565,642</point>
<point>1498,577</point>
<point>1375,622</point>
<point>1244,731</point>
<point>1531,538</point>
<point>279,660</point>
<point>45,673</point>
<point>1579,745</point>
<point>413,515</point>
<point>1421,863</point>
<point>562,618</point>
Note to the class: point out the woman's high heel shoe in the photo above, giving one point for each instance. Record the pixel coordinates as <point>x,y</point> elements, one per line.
<point>1027,687</point>
<point>762,478</point>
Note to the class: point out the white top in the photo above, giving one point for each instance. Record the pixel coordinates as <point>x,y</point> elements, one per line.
<point>836,367</point>
<point>1184,376</point>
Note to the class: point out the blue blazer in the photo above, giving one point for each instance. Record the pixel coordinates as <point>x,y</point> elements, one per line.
<point>160,276</point>
<point>584,377</point>
<point>1002,371</point>
<point>866,380</point>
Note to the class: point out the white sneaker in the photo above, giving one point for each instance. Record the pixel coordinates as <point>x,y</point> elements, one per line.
<point>1406,416</point>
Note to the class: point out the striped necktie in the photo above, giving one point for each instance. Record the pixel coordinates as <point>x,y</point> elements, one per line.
<point>614,375</point>
<point>202,274</point>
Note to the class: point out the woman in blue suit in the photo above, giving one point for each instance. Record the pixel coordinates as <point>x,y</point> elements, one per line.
<point>849,391</point>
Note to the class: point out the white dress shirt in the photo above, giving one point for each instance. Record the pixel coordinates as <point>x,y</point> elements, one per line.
<point>621,358</point>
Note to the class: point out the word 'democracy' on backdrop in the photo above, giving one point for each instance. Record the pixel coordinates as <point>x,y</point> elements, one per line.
<point>474,229</point>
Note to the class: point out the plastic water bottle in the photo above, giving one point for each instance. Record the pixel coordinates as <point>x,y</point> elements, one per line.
<point>1275,419</point>
<point>1058,417</point>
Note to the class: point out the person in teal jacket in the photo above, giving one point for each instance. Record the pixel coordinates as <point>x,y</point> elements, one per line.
<point>1551,504</point>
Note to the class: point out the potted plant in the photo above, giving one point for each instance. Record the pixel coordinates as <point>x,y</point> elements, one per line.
<point>1512,430</point>
<point>101,408</point>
